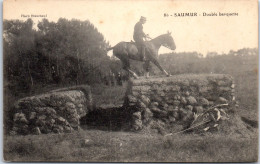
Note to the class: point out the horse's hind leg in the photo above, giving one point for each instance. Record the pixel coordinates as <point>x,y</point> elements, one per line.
<point>133,73</point>
<point>126,66</point>
<point>160,67</point>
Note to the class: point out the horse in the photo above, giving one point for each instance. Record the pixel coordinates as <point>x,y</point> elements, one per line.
<point>128,50</point>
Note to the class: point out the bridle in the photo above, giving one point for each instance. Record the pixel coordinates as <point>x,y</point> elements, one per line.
<point>164,45</point>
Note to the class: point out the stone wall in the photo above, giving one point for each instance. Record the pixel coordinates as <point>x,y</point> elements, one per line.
<point>165,102</point>
<point>55,111</point>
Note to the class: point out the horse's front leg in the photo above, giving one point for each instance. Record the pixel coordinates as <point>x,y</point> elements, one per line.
<point>160,67</point>
<point>166,73</point>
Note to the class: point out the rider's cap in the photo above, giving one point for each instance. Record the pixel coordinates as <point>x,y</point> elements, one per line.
<point>143,18</point>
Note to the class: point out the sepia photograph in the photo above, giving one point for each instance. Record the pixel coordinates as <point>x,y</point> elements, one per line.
<point>130,81</point>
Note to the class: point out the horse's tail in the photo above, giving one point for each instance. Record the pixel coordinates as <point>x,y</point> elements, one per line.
<point>111,48</point>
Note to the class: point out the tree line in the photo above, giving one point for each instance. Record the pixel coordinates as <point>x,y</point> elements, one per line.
<point>234,62</point>
<point>66,52</point>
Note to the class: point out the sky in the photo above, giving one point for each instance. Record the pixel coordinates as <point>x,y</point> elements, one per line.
<point>115,19</point>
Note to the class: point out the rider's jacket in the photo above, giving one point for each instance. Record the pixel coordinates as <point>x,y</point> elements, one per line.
<point>138,31</point>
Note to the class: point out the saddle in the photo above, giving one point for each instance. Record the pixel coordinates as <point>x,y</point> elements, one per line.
<point>137,45</point>
<point>134,43</point>
<point>139,48</point>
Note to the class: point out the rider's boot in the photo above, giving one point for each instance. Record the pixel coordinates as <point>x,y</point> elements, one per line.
<point>142,54</point>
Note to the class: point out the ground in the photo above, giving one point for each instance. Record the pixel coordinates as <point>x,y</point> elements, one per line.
<point>97,146</point>
<point>106,144</point>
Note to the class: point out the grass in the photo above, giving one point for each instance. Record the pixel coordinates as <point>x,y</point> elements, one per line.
<point>247,94</point>
<point>95,145</point>
<point>129,147</point>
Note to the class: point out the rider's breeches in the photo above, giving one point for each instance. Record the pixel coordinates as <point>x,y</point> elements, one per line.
<point>139,41</point>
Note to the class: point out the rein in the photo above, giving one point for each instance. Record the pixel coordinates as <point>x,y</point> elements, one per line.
<point>164,45</point>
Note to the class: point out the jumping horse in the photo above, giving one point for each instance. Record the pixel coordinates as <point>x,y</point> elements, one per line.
<point>128,50</point>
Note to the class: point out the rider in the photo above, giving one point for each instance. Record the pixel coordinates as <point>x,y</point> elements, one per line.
<point>139,35</point>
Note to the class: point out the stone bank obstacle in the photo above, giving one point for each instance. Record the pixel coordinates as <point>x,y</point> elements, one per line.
<point>57,111</point>
<point>164,103</point>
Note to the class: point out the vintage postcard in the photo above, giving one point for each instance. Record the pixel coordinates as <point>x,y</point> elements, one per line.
<point>130,81</point>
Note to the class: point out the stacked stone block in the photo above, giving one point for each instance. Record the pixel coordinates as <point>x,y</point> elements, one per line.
<point>54,112</point>
<point>171,100</point>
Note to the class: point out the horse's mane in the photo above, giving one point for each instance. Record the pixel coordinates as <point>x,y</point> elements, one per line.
<point>159,37</point>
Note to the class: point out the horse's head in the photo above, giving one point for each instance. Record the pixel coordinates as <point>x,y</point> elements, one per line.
<point>168,41</point>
